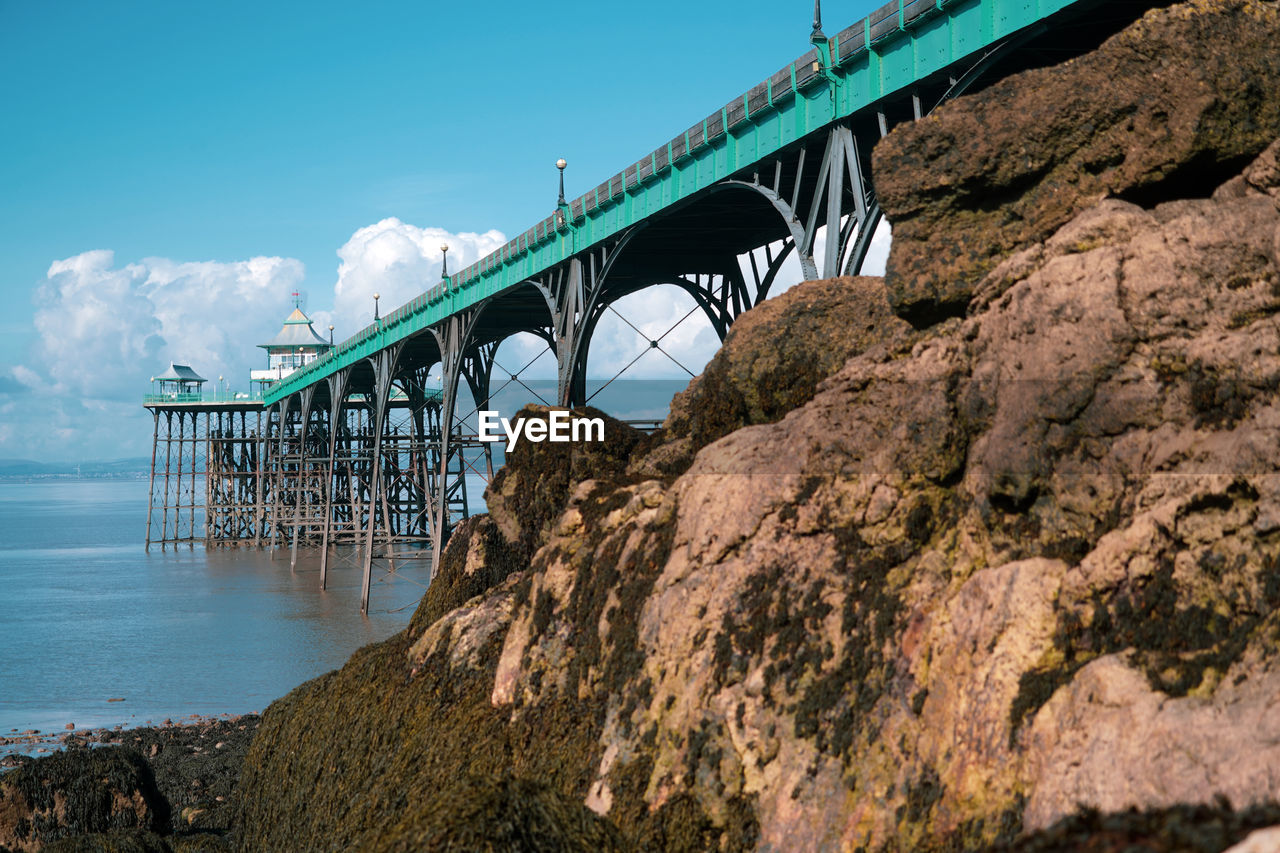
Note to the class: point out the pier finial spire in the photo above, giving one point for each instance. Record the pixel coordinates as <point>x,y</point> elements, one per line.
<point>817,34</point>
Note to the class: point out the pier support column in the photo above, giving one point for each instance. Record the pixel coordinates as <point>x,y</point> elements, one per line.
<point>304,429</point>
<point>168,455</point>
<point>454,340</point>
<point>576,301</point>
<point>338,384</point>
<point>384,366</point>
<point>477,369</point>
<point>151,489</point>
<point>277,471</point>
<point>417,509</point>
<point>259,467</point>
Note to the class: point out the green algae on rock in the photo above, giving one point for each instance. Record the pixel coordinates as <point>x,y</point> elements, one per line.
<point>531,490</point>
<point>74,793</point>
<point>481,559</point>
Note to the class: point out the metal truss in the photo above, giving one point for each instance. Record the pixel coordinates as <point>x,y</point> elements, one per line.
<point>179,458</point>
<point>233,513</point>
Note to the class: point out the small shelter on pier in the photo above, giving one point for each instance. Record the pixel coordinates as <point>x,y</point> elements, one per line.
<point>179,380</point>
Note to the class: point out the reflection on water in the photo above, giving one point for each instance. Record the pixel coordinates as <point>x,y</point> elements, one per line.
<point>87,615</point>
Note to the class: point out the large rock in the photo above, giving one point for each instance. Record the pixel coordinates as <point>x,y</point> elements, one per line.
<point>394,742</point>
<point>1029,564</point>
<point>75,793</point>
<point>1166,109</point>
<point>162,788</point>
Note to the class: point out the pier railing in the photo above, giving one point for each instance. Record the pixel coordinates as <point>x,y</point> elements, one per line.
<point>206,397</point>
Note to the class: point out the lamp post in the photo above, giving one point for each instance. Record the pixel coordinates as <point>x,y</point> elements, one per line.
<point>376,318</point>
<point>330,334</point>
<point>444,261</point>
<point>817,36</point>
<point>561,207</point>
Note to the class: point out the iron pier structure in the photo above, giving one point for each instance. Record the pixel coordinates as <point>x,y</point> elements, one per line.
<point>355,448</point>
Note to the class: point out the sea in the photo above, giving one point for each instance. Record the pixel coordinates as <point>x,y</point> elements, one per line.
<point>88,615</point>
<point>97,631</point>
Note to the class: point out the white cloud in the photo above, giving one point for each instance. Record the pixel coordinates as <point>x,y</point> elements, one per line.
<point>104,330</point>
<point>397,261</point>
<point>26,376</point>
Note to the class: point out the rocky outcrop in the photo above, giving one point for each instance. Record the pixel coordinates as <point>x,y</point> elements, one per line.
<point>70,794</point>
<point>1028,564</point>
<point>164,788</point>
<point>1166,109</point>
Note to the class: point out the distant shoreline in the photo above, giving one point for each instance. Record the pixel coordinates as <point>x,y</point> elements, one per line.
<point>41,478</point>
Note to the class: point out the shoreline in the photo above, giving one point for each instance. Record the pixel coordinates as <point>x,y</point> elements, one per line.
<point>178,779</point>
<point>19,746</point>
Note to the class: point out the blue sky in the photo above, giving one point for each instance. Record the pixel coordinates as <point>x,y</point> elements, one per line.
<point>181,141</point>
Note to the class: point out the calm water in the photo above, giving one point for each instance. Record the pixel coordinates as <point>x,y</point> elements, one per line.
<point>87,615</point>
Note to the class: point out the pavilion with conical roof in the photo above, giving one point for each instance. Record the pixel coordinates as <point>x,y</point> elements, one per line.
<point>179,379</point>
<point>295,345</point>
